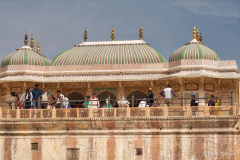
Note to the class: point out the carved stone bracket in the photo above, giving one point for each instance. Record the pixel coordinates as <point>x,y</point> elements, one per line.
<point>6,85</point>
<point>152,84</point>
<point>89,85</point>
<point>180,80</point>
<point>120,83</point>
<point>58,85</point>
<point>167,82</point>
<point>201,79</point>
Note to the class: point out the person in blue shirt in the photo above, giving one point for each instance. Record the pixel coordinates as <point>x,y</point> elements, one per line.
<point>36,92</point>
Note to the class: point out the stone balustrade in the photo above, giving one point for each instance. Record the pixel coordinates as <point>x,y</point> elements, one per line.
<point>80,113</point>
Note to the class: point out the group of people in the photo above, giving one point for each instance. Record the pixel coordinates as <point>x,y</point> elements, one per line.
<point>31,100</point>
<point>212,102</point>
<point>151,102</point>
<point>38,97</point>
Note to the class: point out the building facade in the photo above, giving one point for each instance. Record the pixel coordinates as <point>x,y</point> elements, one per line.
<point>115,69</point>
<point>122,68</point>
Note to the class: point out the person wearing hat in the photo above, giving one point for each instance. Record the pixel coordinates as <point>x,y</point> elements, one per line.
<point>150,97</point>
<point>123,102</point>
<point>194,102</point>
<point>37,93</point>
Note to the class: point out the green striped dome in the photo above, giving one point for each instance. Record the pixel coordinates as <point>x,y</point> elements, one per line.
<point>195,50</point>
<point>25,56</point>
<point>113,52</point>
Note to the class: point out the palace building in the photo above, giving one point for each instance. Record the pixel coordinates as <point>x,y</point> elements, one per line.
<point>115,69</point>
<point>122,68</point>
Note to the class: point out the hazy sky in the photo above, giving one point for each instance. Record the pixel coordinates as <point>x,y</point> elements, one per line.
<point>167,25</point>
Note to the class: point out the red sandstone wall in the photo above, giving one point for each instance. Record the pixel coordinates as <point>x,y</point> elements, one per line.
<point>154,147</point>
<point>172,138</point>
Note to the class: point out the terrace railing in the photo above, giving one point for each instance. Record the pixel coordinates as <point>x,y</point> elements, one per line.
<point>81,113</point>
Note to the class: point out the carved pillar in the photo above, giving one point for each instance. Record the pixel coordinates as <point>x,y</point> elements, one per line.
<point>120,91</point>
<point>182,89</point>
<point>201,92</point>
<point>6,85</point>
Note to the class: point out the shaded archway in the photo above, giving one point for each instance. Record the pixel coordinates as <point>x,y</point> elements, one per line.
<point>104,95</point>
<point>75,96</point>
<point>138,96</point>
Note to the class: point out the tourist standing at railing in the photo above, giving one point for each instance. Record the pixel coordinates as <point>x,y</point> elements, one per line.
<point>94,104</point>
<point>45,94</point>
<point>211,102</point>
<point>60,98</point>
<point>65,101</point>
<point>18,100</point>
<point>94,101</point>
<point>37,93</point>
<point>194,102</point>
<point>27,98</point>
<point>142,103</point>
<point>216,109</point>
<point>155,103</point>
<point>150,97</point>
<point>51,102</point>
<point>123,102</point>
<point>88,101</point>
<point>167,93</point>
<point>12,102</point>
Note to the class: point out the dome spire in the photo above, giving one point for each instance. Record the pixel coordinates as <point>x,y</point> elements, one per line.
<point>194,32</point>
<point>140,33</point>
<point>197,35</point>
<point>200,37</point>
<point>112,34</point>
<point>32,42</point>
<point>26,39</point>
<point>85,35</point>
<point>38,46</point>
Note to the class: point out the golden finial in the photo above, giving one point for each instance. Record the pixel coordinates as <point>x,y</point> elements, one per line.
<point>112,34</point>
<point>26,39</point>
<point>200,37</point>
<point>197,35</point>
<point>85,35</point>
<point>32,42</point>
<point>140,33</point>
<point>194,32</point>
<point>38,46</point>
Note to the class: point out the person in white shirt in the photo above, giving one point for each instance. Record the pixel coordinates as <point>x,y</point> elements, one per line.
<point>27,97</point>
<point>65,101</point>
<point>60,98</point>
<point>94,101</point>
<point>167,93</point>
<point>123,102</point>
<point>142,103</point>
<point>44,99</point>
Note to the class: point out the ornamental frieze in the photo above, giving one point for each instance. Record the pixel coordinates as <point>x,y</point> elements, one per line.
<point>74,85</point>
<point>137,83</point>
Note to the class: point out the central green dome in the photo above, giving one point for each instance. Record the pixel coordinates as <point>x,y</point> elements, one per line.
<point>110,52</point>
